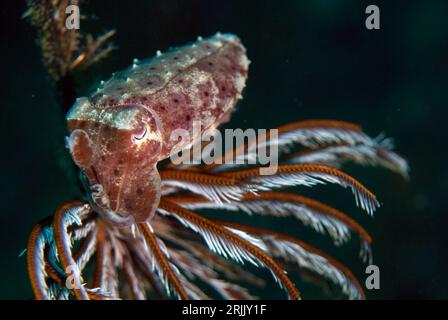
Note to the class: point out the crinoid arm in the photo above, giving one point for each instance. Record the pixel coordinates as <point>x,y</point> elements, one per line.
<point>326,142</point>
<point>303,255</point>
<point>321,217</point>
<point>53,268</point>
<point>233,244</point>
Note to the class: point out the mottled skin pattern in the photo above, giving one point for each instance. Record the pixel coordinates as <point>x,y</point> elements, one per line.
<point>118,136</point>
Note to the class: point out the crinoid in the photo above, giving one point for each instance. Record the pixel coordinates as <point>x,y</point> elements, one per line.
<point>137,236</point>
<point>182,253</point>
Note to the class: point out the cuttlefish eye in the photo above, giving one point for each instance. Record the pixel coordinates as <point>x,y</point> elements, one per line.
<point>143,128</point>
<point>140,136</point>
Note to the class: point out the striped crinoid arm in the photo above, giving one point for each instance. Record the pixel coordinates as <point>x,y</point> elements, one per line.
<point>215,187</point>
<point>307,175</point>
<point>379,154</point>
<point>133,279</point>
<point>337,141</point>
<point>198,263</point>
<point>142,258</point>
<point>105,282</point>
<point>141,262</point>
<point>230,291</point>
<point>319,216</point>
<point>117,272</point>
<point>82,256</point>
<point>230,186</point>
<point>174,232</point>
<point>51,248</point>
<point>315,133</point>
<point>231,271</point>
<point>180,260</point>
<point>196,269</point>
<point>308,133</point>
<point>229,243</point>
<point>68,214</point>
<point>167,272</point>
<point>37,243</point>
<point>304,256</point>
<point>86,250</point>
<point>191,270</point>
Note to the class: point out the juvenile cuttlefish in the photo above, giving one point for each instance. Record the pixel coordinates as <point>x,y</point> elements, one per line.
<point>119,134</point>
